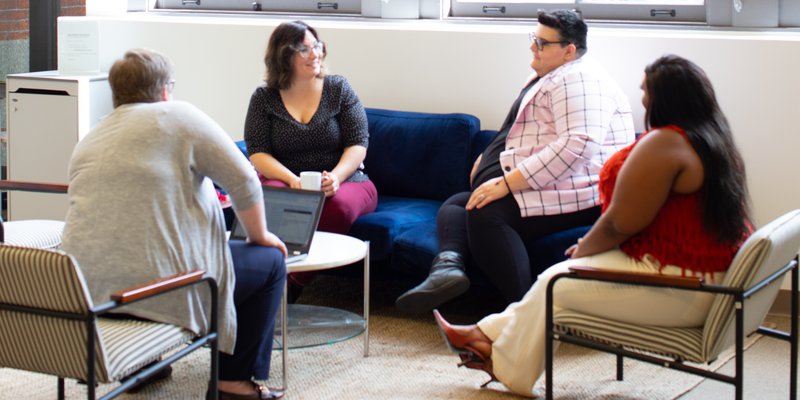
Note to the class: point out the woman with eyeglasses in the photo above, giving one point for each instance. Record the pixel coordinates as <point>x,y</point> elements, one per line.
<point>674,203</point>
<point>305,120</point>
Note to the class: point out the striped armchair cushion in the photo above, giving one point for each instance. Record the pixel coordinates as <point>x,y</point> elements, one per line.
<point>765,251</point>
<point>38,233</point>
<point>131,344</point>
<point>48,345</point>
<point>51,280</point>
<point>683,343</point>
<point>45,280</point>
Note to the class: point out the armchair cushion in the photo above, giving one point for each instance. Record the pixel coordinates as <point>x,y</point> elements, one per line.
<point>38,233</point>
<point>46,314</point>
<point>682,343</point>
<point>766,246</point>
<point>131,344</point>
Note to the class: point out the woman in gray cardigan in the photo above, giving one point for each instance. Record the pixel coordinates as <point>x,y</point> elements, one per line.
<point>143,206</point>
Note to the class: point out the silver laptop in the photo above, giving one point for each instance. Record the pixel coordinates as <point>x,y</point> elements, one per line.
<point>292,215</point>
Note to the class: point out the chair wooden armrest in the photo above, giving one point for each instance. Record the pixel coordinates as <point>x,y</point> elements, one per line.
<point>33,186</point>
<point>635,277</point>
<point>153,288</point>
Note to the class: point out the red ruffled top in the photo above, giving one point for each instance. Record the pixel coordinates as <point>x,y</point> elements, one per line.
<point>676,236</point>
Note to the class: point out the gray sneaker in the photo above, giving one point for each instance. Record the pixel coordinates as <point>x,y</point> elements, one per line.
<point>446,281</point>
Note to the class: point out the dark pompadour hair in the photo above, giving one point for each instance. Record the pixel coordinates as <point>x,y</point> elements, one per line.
<point>569,25</point>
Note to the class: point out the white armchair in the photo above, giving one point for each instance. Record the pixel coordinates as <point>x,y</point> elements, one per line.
<point>742,301</point>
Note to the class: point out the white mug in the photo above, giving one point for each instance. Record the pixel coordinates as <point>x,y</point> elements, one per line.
<point>311,180</point>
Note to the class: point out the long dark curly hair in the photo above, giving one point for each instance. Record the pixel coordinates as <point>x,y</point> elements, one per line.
<point>679,93</point>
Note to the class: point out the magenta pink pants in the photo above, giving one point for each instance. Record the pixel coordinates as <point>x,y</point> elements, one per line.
<point>353,200</point>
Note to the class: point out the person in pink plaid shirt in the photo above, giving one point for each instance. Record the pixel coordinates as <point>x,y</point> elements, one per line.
<point>538,175</point>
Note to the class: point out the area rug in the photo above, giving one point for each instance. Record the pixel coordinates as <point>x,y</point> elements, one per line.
<point>407,360</point>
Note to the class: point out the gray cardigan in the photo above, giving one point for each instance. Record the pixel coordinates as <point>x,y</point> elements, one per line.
<point>142,206</point>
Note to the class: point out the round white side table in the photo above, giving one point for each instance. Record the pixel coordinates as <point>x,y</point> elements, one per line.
<point>311,325</point>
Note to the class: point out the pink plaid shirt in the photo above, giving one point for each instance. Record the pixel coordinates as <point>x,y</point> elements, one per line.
<point>572,120</point>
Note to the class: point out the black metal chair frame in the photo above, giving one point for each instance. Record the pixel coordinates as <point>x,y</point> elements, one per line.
<point>90,319</point>
<point>739,296</point>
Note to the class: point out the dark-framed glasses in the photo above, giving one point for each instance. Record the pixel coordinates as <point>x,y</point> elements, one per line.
<point>540,43</point>
<point>305,51</point>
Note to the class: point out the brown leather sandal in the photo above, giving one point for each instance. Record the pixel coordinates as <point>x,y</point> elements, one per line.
<point>260,392</point>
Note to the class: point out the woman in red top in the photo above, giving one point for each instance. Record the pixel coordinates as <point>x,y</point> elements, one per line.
<point>674,203</point>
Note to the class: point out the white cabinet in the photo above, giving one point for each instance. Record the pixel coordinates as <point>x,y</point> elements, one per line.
<point>47,115</point>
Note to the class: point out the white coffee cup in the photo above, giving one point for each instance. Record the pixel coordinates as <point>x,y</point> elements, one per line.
<point>311,180</point>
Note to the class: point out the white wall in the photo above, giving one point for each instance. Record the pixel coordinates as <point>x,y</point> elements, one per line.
<point>438,66</point>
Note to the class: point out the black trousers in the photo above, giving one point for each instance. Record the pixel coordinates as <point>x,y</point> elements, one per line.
<point>260,275</point>
<point>495,236</point>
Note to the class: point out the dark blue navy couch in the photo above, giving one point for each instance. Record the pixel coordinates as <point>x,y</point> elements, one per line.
<point>418,160</point>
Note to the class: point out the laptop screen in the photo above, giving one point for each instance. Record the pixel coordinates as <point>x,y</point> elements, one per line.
<point>292,214</point>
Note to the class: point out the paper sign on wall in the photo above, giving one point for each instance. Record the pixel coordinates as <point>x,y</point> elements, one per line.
<point>78,48</point>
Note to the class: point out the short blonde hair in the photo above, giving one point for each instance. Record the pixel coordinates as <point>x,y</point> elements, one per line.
<point>139,77</point>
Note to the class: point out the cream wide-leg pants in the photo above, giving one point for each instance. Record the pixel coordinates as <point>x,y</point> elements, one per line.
<point>518,333</point>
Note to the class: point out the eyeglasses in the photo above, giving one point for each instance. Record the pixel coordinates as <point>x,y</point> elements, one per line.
<point>305,51</point>
<point>540,43</point>
<point>171,85</point>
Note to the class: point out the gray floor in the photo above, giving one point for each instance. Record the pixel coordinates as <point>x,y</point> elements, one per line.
<point>766,371</point>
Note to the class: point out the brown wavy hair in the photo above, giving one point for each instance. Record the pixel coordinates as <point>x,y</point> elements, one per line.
<point>280,53</point>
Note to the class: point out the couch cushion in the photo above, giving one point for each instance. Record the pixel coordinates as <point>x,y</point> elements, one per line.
<point>393,216</point>
<point>420,155</point>
<point>549,250</point>
<point>415,248</point>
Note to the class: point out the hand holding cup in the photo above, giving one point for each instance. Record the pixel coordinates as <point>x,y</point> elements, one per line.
<point>330,183</point>
<point>311,180</point>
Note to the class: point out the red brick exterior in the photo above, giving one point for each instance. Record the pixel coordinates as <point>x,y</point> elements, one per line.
<point>14,18</point>
<point>73,8</point>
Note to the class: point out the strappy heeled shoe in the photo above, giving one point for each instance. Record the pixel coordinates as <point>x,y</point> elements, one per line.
<point>477,361</point>
<point>470,356</point>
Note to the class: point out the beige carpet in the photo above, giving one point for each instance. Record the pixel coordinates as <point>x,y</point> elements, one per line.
<point>408,360</point>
